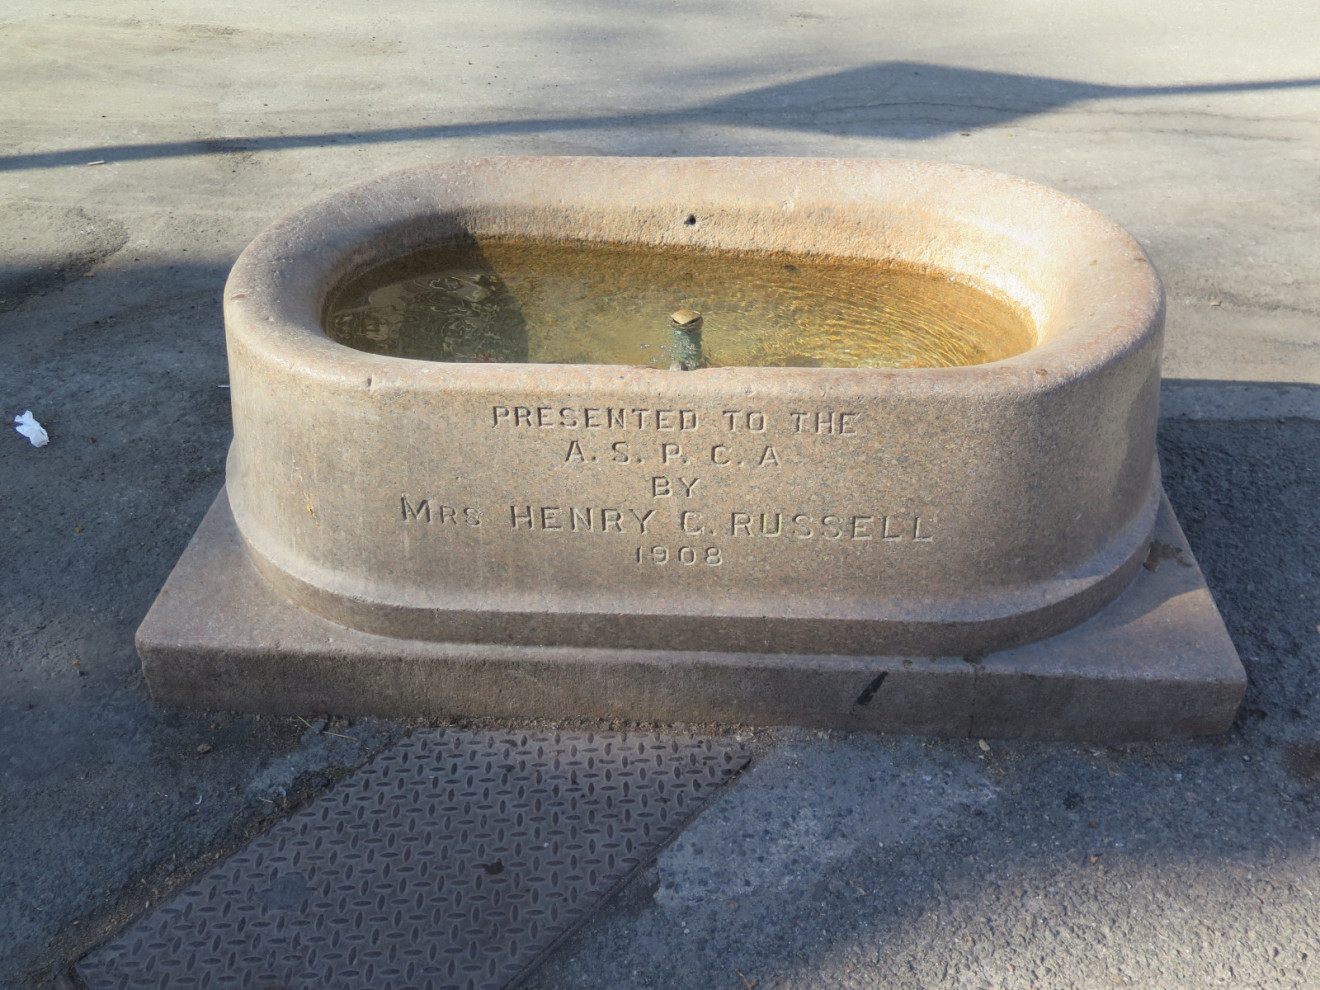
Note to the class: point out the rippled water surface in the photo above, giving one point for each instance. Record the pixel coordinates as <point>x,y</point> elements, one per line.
<point>574,303</point>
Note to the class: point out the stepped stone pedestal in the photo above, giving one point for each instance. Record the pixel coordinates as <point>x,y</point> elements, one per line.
<point>942,550</point>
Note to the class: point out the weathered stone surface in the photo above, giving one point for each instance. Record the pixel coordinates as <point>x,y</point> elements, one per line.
<point>749,511</point>
<point>1155,664</point>
<point>853,548</point>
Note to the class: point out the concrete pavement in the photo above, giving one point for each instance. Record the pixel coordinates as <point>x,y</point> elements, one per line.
<point>837,861</point>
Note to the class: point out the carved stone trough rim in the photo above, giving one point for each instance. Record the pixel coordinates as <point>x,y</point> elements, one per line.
<point>1061,435</point>
<point>278,290</point>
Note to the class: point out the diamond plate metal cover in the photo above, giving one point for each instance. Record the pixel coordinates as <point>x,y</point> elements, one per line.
<point>454,859</point>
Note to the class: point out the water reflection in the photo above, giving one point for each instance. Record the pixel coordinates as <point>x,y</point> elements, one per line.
<point>576,303</point>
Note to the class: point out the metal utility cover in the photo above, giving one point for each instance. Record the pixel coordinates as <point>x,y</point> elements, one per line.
<point>454,859</point>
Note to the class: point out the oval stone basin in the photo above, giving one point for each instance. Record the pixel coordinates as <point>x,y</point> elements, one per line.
<point>929,511</point>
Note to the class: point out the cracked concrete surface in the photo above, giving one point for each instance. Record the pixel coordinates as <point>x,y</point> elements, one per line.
<point>1197,127</point>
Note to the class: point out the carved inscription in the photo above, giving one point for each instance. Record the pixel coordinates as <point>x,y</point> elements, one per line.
<point>687,556</point>
<point>595,418</point>
<point>675,455</point>
<point>806,526</point>
<point>622,452</point>
<point>825,422</point>
<point>425,510</point>
<point>579,519</point>
<point>586,421</point>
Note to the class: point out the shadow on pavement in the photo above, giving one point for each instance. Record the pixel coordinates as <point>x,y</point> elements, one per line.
<point>910,861</point>
<point>901,100</point>
<point>864,862</point>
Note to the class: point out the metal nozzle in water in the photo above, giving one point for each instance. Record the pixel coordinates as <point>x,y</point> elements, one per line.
<point>686,324</point>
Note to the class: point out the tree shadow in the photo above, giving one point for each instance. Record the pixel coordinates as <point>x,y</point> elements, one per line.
<point>895,99</point>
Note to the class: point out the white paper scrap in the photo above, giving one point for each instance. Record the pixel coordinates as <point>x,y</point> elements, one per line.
<point>31,429</point>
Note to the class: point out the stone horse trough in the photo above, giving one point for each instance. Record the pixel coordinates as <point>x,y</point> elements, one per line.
<point>974,549</point>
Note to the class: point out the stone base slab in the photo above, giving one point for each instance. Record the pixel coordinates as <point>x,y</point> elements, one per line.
<point>1156,664</point>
